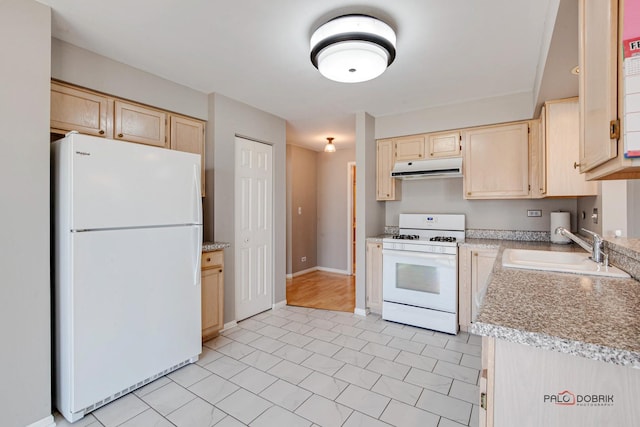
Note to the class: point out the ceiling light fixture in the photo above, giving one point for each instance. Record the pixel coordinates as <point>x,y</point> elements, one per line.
<point>330,148</point>
<point>353,48</point>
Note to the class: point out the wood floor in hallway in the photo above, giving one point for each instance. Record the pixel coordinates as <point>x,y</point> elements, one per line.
<point>319,289</point>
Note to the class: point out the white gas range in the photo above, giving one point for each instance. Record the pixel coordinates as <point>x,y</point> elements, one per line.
<point>420,271</point>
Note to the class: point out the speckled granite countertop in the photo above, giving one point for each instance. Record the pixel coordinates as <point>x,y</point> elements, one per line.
<point>589,316</point>
<point>214,246</point>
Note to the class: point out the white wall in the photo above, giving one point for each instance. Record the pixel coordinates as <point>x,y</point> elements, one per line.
<point>79,66</point>
<point>228,119</point>
<point>446,196</point>
<point>333,217</point>
<point>25,318</point>
<point>456,116</point>
<point>303,213</point>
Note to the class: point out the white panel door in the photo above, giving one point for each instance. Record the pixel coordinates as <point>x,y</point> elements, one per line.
<point>254,228</point>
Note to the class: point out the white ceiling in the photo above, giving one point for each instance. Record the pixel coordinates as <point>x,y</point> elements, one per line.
<point>257,52</point>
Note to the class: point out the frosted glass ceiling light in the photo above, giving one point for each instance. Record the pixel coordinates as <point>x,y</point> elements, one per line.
<point>353,48</point>
<point>330,148</point>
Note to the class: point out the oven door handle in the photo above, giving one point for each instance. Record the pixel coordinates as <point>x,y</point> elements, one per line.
<point>423,255</point>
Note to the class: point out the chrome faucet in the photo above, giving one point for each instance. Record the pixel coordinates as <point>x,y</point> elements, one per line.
<point>597,249</point>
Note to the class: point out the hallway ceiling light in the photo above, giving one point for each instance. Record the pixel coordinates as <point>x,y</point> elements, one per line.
<point>330,148</point>
<point>353,48</point>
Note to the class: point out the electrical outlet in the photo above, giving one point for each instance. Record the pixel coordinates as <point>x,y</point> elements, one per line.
<point>303,259</point>
<point>534,212</point>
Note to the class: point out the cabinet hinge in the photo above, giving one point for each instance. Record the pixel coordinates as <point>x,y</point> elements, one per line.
<point>483,401</point>
<point>528,129</point>
<point>614,129</point>
<point>529,187</point>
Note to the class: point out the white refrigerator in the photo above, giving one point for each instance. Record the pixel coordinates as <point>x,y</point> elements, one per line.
<point>127,222</point>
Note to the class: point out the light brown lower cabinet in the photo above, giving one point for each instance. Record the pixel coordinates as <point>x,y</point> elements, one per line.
<point>373,278</point>
<point>474,268</point>
<point>526,386</point>
<point>212,293</point>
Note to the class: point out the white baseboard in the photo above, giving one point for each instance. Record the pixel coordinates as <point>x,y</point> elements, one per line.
<point>317,268</point>
<point>301,272</point>
<point>45,422</point>
<point>333,270</point>
<point>229,325</point>
<point>289,276</point>
<point>279,304</point>
<point>360,312</point>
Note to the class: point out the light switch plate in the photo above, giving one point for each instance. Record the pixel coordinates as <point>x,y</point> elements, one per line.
<point>534,212</point>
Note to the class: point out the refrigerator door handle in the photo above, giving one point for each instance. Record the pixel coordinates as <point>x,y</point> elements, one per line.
<point>197,196</point>
<point>197,246</point>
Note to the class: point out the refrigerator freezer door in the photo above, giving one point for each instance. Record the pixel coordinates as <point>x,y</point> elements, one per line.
<point>135,308</point>
<point>119,184</point>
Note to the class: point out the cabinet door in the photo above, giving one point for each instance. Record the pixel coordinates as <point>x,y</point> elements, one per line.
<point>598,81</point>
<point>561,138</point>
<point>143,125</point>
<point>481,266</point>
<point>409,148</point>
<point>212,301</point>
<point>74,109</point>
<point>188,135</point>
<point>487,382</point>
<point>385,185</point>
<point>496,162</point>
<point>444,144</point>
<point>373,279</point>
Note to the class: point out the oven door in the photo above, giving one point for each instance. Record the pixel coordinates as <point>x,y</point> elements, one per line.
<point>420,279</point>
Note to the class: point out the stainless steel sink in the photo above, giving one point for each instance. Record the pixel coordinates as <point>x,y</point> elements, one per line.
<point>565,262</point>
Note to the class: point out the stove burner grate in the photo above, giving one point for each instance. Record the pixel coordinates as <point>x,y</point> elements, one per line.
<point>407,236</point>
<point>443,239</point>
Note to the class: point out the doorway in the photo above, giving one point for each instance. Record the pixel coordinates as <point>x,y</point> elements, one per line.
<point>253,227</point>
<point>351,209</point>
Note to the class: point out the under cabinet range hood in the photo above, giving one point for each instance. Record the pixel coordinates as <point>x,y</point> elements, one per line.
<point>433,168</point>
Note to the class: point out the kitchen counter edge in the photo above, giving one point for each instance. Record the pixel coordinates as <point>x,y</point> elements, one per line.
<point>214,246</point>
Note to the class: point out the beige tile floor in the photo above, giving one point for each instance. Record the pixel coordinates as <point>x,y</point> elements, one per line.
<point>305,367</point>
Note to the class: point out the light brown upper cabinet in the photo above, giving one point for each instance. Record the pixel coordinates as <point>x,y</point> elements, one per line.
<point>188,135</point>
<point>143,125</point>
<point>446,144</point>
<point>409,148</point>
<point>79,110</point>
<point>559,141</point>
<point>496,162</point>
<point>387,188</point>
<point>601,92</point>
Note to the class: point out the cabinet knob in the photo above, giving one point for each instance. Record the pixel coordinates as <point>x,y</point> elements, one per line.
<point>101,132</point>
<point>431,154</point>
<point>576,165</point>
<point>387,194</point>
<point>468,193</point>
<point>419,155</point>
<point>220,271</point>
<point>120,135</point>
<point>208,259</point>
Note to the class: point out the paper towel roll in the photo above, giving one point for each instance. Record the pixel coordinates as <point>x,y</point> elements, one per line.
<point>560,219</point>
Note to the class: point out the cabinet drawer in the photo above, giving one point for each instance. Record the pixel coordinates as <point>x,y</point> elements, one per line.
<point>212,259</point>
